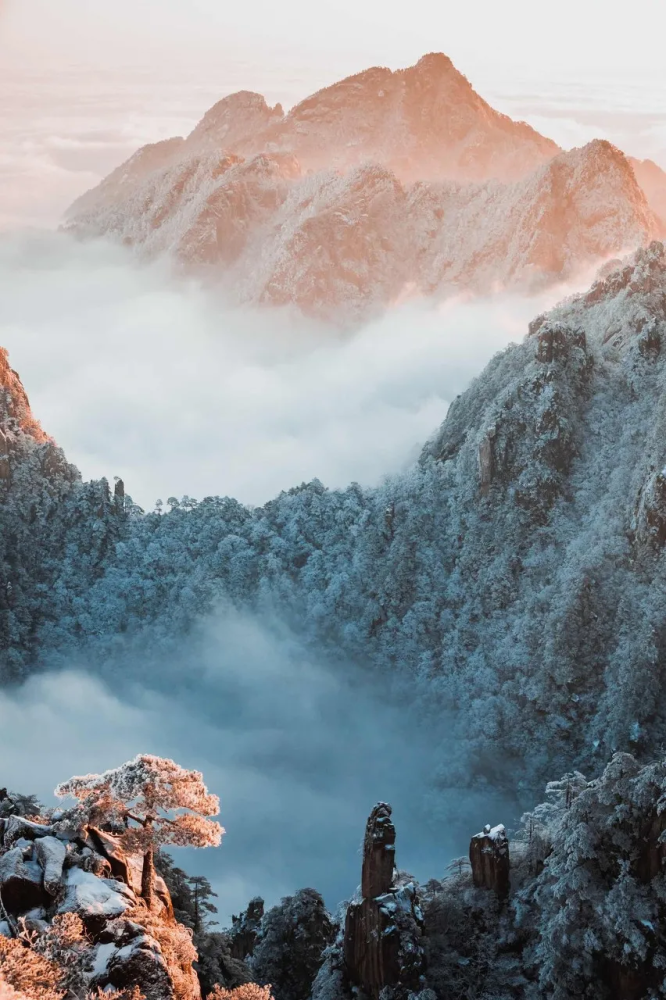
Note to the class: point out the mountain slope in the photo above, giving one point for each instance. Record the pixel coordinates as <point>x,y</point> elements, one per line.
<point>425,122</point>
<point>382,185</point>
<point>345,245</point>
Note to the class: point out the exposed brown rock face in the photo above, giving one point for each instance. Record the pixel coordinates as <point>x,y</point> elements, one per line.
<point>486,459</point>
<point>383,931</point>
<point>489,857</point>
<point>21,436</point>
<point>555,341</point>
<point>356,238</point>
<point>650,517</point>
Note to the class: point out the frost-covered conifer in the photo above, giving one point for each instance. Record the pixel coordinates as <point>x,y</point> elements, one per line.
<point>291,941</point>
<point>153,801</point>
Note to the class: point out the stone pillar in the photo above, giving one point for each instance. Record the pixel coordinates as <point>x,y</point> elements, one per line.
<point>489,857</point>
<point>378,852</point>
<point>383,929</point>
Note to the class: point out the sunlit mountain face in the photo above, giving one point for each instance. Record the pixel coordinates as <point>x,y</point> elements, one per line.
<point>384,186</point>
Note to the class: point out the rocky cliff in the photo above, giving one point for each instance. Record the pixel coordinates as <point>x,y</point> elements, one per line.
<point>79,890</point>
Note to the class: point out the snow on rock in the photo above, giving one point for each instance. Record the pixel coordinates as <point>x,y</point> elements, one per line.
<point>20,881</point>
<point>50,853</point>
<point>382,945</point>
<point>94,898</point>
<point>489,858</point>
<point>125,955</point>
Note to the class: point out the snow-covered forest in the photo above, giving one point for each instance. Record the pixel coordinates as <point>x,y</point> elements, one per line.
<point>513,576</point>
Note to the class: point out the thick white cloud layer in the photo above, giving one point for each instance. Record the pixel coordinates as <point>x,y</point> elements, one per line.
<point>158,381</point>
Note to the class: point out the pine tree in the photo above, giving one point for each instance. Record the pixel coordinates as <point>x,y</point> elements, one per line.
<point>154,800</point>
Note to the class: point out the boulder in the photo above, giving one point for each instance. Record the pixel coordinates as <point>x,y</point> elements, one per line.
<point>95,900</point>
<point>17,827</point>
<point>126,956</point>
<point>20,882</point>
<point>50,853</point>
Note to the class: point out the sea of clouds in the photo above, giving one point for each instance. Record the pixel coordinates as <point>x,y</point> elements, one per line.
<point>141,374</point>
<point>157,380</point>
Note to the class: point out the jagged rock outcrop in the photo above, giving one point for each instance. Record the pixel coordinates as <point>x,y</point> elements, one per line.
<point>47,870</point>
<point>378,852</point>
<point>424,122</point>
<point>383,929</point>
<point>649,523</point>
<point>235,124</point>
<point>652,180</point>
<point>346,245</point>
<point>125,955</point>
<point>489,859</point>
<point>24,447</point>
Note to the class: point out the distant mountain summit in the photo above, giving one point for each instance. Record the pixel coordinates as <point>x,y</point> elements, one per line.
<point>383,185</point>
<point>425,122</point>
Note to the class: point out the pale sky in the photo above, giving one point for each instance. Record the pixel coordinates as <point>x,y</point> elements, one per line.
<point>579,38</point>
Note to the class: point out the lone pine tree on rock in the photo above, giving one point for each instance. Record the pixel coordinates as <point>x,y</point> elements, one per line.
<point>154,802</point>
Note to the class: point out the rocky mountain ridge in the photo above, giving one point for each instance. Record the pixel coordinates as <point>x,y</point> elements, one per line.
<point>382,186</point>
<point>342,246</point>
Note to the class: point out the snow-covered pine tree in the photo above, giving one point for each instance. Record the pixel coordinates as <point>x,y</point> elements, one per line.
<point>154,801</point>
